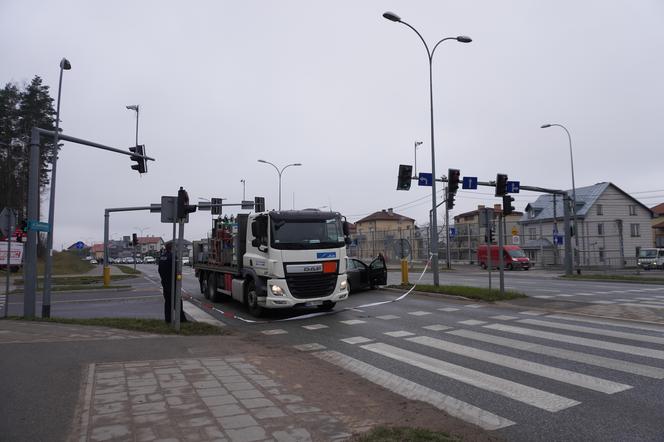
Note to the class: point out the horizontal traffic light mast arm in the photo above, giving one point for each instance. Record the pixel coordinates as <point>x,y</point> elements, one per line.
<point>522,187</point>
<point>63,137</point>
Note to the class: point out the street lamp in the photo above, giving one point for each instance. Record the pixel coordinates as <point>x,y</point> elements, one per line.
<point>48,265</point>
<point>571,159</point>
<point>135,107</point>
<point>417,144</point>
<point>280,172</point>
<point>434,218</point>
<point>244,187</point>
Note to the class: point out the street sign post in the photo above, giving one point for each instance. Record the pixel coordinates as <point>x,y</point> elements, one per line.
<point>38,226</point>
<point>513,186</point>
<point>7,221</point>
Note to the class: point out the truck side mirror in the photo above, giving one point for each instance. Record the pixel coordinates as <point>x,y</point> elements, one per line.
<point>256,242</point>
<point>346,228</point>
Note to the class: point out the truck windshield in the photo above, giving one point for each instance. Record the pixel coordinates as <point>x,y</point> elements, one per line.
<point>517,253</point>
<point>648,253</point>
<point>307,233</point>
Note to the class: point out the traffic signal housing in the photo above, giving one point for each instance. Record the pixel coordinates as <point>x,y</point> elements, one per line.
<point>183,206</point>
<point>259,204</point>
<point>453,176</point>
<point>141,164</point>
<point>134,239</point>
<point>405,177</point>
<point>508,208</point>
<point>488,237</point>
<point>501,184</point>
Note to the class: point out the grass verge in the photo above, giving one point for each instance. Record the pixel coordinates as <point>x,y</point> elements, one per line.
<point>128,270</point>
<point>489,295</point>
<point>155,326</point>
<point>403,434</point>
<point>619,278</point>
<point>85,281</point>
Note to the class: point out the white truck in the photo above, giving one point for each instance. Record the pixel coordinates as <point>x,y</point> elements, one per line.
<point>275,260</point>
<point>651,258</point>
<point>15,255</point>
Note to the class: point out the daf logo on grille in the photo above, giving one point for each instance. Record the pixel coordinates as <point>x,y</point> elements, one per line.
<point>304,268</point>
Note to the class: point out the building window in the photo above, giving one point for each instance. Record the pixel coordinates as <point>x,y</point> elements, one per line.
<point>532,232</point>
<point>634,230</point>
<point>600,209</point>
<point>632,210</point>
<point>600,229</point>
<point>601,254</point>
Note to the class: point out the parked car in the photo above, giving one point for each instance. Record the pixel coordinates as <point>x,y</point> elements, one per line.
<point>513,257</point>
<point>362,276</point>
<point>149,260</point>
<point>185,261</point>
<point>93,261</point>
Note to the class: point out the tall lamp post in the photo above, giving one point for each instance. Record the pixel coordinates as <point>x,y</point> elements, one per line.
<point>417,144</point>
<point>280,172</point>
<point>571,160</point>
<point>135,107</point>
<point>434,218</point>
<point>244,188</point>
<point>48,265</point>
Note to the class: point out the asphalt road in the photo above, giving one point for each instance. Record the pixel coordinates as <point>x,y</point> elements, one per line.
<point>522,373</point>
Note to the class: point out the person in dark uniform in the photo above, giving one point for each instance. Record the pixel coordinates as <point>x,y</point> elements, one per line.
<point>166,275</point>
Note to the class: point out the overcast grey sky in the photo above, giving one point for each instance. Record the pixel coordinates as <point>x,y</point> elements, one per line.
<point>335,86</point>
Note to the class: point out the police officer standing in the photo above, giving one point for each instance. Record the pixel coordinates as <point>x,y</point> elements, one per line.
<point>166,274</point>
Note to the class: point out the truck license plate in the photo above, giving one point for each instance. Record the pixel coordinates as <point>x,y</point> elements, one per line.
<point>313,303</point>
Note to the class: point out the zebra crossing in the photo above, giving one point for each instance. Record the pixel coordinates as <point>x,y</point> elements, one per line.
<point>654,299</point>
<point>516,362</point>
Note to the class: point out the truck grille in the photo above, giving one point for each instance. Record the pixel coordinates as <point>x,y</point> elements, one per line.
<point>311,286</point>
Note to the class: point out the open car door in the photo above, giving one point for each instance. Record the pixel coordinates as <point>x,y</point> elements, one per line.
<point>378,272</point>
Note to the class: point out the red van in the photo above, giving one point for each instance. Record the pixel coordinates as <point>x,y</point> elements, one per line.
<point>513,257</point>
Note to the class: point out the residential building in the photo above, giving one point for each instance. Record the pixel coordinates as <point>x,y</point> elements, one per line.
<point>468,233</point>
<point>658,225</point>
<point>612,227</point>
<point>149,245</point>
<point>388,233</point>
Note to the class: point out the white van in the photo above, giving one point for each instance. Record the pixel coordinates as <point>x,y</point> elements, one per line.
<point>651,258</point>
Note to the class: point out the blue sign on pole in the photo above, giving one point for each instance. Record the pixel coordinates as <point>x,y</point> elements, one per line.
<point>513,186</point>
<point>424,179</point>
<point>469,182</point>
<point>79,245</point>
<point>453,232</point>
<point>38,226</point>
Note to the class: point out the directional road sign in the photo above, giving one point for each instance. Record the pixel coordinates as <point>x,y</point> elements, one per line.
<point>79,245</point>
<point>453,232</point>
<point>38,226</point>
<point>425,179</point>
<point>469,182</point>
<point>513,186</point>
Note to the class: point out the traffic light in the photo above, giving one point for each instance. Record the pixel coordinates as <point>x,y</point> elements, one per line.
<point>259,204</point>
<point>488,238</point>
<point>508,208</point>
<point>141,164</point>
<point>501,184</point>
<point>134,240</point>
<point>405,176</point>
<point>449,198</point>
<point>453,176</point>
<point>184,208</point>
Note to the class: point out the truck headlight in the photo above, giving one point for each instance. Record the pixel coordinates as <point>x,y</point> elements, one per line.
<point>343,284</point>
<point>276,290</point>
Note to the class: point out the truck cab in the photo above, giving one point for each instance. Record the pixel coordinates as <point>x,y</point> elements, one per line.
<point>651,258</point>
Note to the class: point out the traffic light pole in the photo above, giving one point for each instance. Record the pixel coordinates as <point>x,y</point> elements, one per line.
<point>501,259</point>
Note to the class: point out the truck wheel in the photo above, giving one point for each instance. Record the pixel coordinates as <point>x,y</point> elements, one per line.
<point>251,300</point>
<point>202,282</point>
<point>211,292</point>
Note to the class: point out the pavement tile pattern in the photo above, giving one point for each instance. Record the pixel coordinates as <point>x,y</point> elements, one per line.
<point>196,399</point>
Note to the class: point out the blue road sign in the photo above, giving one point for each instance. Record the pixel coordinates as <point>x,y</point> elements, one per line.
<point>39,226</point>
<point>424,179</point>
<point>558,239</point>
<point>453,232</point>
<point>469,182</point>
<point>513,186</point>
<point>79,245</point>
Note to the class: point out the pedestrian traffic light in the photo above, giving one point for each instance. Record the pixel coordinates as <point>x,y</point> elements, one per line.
<point>490,236</point>
<point>141,163</point>
<point>259,204</point>
<point>134,240</point>
<point>183,206</point>
<point>405,176</point>
<point>501,184</point>
<point>507,204</point>
<point>453,176</point>
<point>449,198</point>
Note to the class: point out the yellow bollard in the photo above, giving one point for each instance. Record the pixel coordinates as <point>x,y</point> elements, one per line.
<point>107,276</point>
<point>404,271</point>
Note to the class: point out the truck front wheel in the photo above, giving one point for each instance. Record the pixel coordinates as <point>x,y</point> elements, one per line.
<point>251,300</point>
<point>211,292</point>
<point>202,282</point>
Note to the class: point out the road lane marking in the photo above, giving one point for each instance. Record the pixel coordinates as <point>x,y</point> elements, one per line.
<point>387,317</point>
<point>309,347</point>
<point>436,327</point>
<point>413,391</point>
<point>504,317</point>
<point>472,322</point>
<point>448,309</point>
<point>561,353</point>
<point>546,371</point>
<point>419,313</point>
<point>532,313</point>
<point>594,343</point>
<point>594,331</point>
<point>518,392</point>
<point>356,340</point>
<point>353,322</point>
<point>634,304</point>
<point>612,323</point>
<point>276,331</point>
<point>314,326</point>
<point>399,334</point>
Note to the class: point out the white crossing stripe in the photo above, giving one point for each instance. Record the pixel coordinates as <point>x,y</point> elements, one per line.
<point>472,322</point>
<point>310,347</point>
<point>604,345</point>
<point>474,306</point>
<point>532,313</point>
<point>612,323</point>
<point>436,327</point>
<point>387,317</point>
<point>546,371</point>
<point>634,304</point>
<point>576,356</point>
<point>277,331</point>
<point>353,322</point>
<point>314,326</point>
<point>448,309</point>
<point>356,340</point>
<point>399,334</point>
<point>419,313</point>
<point>413,391</point>
<point>503,317</point>
<point>602,302</point>
<point>522,393</point>
<point>585,294</point>
<point>594,331</point>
